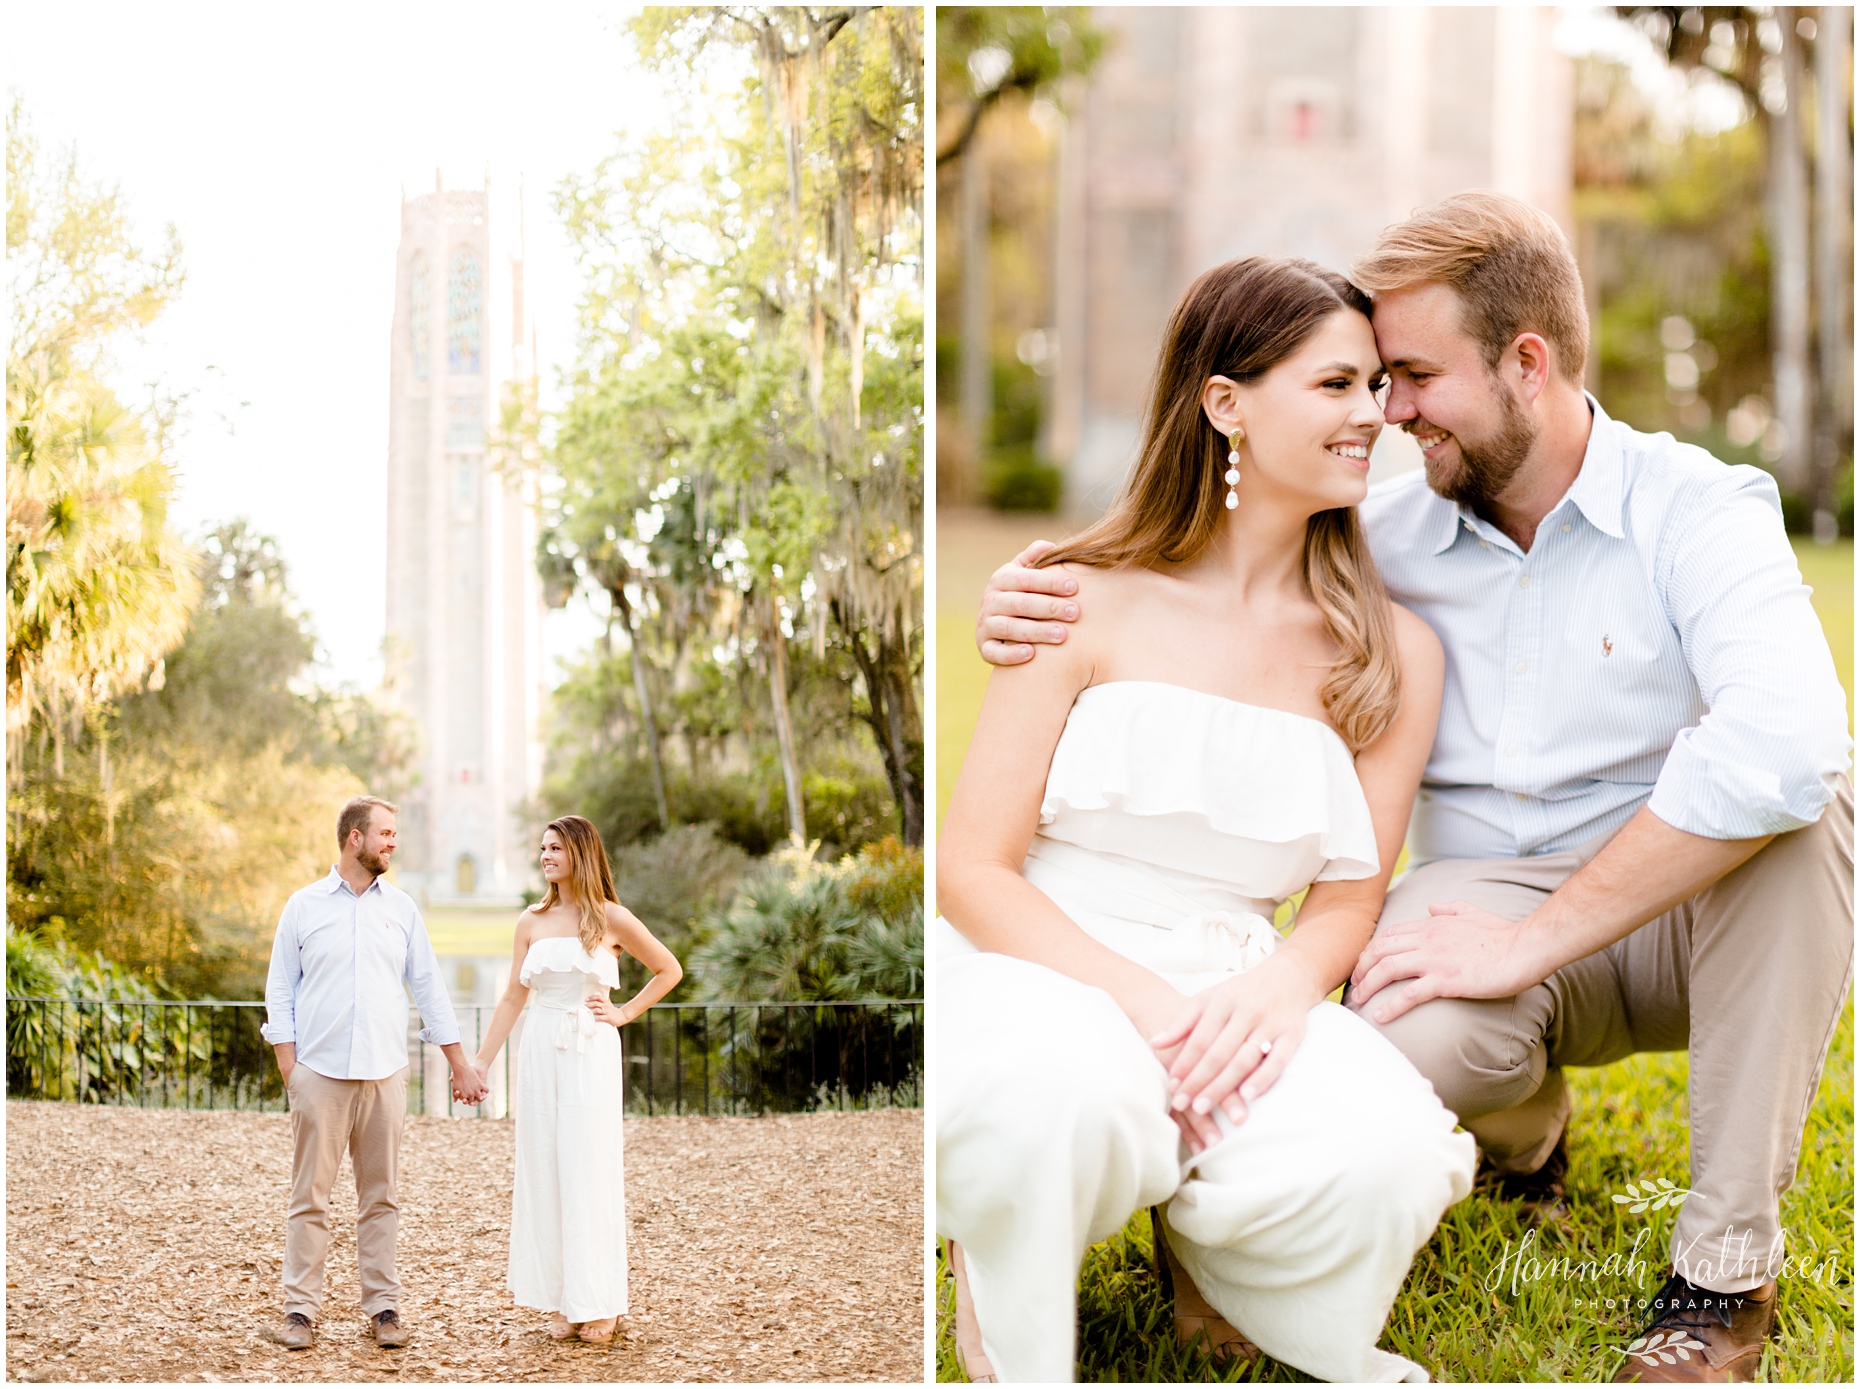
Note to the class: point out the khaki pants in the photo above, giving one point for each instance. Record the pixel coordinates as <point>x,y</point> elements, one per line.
<point>1747,978</point>
<point>365,1118</point>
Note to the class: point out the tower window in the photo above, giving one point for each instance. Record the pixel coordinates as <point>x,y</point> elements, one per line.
<point>465,315</point>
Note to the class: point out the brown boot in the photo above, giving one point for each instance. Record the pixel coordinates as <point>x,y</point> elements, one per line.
<point>1540,1195</point>
<point>388,1331</point>
<point>1195,1317</point>
<point>293,1333</point>
<point>1701,1337</point>
<point>969,1352</point>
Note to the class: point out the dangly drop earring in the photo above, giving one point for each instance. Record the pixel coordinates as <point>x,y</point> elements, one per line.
<point>1233,469</point>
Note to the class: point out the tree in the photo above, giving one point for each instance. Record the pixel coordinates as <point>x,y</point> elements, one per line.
<point>742,449</point>
<point>1765,51</point>
<point>987,52</point>
<point>98,584</point>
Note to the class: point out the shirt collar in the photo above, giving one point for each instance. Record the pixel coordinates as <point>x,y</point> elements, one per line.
<point>1597,489</point>
<point>335,883</point>
<point>1596,492</point>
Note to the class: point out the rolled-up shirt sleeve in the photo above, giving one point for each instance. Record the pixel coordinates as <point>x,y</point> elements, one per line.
<point>440,1027</point>
<point>281,980</point>
<point>1765,756</point>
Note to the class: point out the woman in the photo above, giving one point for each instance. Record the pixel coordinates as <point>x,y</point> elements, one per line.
<point>568,1212</point>
<point>1240,714</point>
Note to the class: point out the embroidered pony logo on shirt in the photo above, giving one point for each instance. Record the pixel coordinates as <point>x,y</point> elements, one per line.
<point>1608,647</point>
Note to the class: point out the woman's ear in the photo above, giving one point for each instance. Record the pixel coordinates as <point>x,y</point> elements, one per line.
<point>1220,402</point>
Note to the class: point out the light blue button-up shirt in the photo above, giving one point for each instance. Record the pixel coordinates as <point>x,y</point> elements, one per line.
<point>1655,647</point>
<point>341,966</point>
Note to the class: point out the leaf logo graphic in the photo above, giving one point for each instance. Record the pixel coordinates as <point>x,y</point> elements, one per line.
<point>1652,1195</point>
<point>1664,1348</point>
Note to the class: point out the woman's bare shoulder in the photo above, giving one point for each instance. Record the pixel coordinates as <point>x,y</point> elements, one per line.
<point>620,918</point>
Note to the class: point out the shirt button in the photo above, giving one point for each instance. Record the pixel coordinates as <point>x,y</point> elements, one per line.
<point>1521,667</point>
<point>1566,528</point>
<point>1484,546</point>
<point>1517,795</point>
<point>1512,751</point>
<point>1524,581</point>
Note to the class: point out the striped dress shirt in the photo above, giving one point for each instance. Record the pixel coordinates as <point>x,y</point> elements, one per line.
<point>342,966</point>
<point>1655,646</point>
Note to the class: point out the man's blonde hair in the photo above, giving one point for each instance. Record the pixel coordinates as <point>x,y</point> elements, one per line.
<point>1507,261</point>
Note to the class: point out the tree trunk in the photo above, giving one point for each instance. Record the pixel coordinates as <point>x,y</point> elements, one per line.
<point>1788,235</point>
<point>637,660</point>
<point>777,646</point>
<point>894,719</point>
<point>977,322</point>
<point>1834,414</point>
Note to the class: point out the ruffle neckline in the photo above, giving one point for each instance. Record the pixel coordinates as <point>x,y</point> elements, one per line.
<point>565,953</point>
<point>1248,772</point>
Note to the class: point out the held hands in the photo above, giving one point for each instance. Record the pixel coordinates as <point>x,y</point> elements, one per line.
<point>471,1085</point>
<point>1024,605</point>
<point>1458,951</point>
<point>1231,1042</point>
<point>605,1010</point>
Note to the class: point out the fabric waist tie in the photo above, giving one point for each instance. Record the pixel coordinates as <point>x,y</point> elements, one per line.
<point>1235,932</point>
<point>577,1025</point>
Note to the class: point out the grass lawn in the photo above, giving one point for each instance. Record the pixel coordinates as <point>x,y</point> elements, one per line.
<point>1460,1313</point>
<point>463,931</point>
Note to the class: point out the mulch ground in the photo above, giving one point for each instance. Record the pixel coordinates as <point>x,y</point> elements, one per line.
<point>145,1245</point>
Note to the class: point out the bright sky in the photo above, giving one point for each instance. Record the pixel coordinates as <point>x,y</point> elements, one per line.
<point>278,141</point>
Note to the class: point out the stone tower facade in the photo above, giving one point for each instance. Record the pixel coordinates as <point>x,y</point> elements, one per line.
<point>464,603</point>
<point>1211,133</point>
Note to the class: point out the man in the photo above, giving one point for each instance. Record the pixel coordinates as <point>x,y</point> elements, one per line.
<point>1635,831</point>
<point>347,950</point>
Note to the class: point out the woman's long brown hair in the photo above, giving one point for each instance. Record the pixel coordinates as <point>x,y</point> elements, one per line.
<point>1240,320</point>
<point>589,874</point>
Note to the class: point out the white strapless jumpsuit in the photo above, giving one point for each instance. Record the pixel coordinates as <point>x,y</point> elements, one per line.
<point>568,1209</point>
<point>1173,822</point>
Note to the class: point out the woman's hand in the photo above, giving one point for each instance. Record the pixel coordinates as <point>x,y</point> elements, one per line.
<point>606,1011</point>
<point>1166,1011</point>
<point>1234,1040</point>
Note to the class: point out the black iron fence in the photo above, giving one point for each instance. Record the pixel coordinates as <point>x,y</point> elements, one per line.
<point>682,1058</point>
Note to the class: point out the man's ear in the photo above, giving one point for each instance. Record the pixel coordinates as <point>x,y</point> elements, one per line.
<point>1535,364</point>
<point>1221,403</point>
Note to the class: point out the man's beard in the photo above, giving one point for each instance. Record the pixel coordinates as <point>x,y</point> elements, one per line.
<point>374,863</point>
<point>1486,469</point>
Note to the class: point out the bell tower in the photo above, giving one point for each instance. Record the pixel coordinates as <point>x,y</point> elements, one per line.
<point>464,604</point>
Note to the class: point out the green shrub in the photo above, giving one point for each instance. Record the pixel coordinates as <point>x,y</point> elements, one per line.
<point>802,931</point>
<point>786,937</point>
<point>49,967</point>
<point>1014,480</point>
<point>887,957</point>
<point>886,879</point>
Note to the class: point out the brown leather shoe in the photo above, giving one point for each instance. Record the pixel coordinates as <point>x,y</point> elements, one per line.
<point>1701,1337</point>
<point>1539,1195</point>
<point>294,1333</point>
<point>389,1333</point>
<point>1195,1317</point>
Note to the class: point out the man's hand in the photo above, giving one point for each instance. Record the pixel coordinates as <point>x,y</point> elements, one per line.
<point>468,1086</point>
<point>1460,951</point>
<point>287,1060</point>
<point>1024,605</point>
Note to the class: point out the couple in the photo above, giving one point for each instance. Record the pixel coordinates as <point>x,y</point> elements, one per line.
<point>347,951</point>
<point>1599,710</point>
